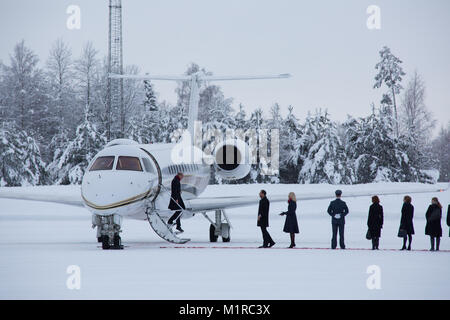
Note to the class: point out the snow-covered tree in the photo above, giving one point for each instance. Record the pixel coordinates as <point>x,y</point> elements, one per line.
<point>324,160</point>
<point>20,159</point>
<point>390,73</point>
<point>290,151</point>
<point>150,102</point>
<point>441,153</point>
<point>24,91</point>
<point>70,166</point>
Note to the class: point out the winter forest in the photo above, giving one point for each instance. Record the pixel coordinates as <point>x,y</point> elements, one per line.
<point>53,122</point>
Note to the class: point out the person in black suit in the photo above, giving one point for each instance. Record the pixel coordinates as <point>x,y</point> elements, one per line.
<point>338,210</point>
<point>375,221</point>
<point>433,227</point>
<point>176,202</point>
<point>263,220</point>
<point>291,224</point>
<point>406,221</point>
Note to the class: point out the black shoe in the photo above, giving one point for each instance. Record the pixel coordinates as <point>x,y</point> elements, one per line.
<point>179,230</point>
<point>263,246</point>
<point>291,246</point>
<point>271,244</point>
<point>409,248</point>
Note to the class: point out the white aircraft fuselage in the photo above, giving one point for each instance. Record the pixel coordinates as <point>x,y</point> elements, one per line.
<point>123,178</point>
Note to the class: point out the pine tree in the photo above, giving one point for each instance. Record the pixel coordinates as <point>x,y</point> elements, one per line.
<point>290,157</point>
<point>324,161</point>
<point>20,159</point>
<point>390,73</point>
<point>73,162</point>
<point>150,103</point>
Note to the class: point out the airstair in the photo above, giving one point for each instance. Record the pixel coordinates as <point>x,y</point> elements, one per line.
<point>162,229</point>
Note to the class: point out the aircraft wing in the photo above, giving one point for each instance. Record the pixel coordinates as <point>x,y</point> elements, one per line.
<point>70,195</point>
<point>227,202</point>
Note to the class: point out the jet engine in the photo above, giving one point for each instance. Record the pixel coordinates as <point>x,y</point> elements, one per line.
<point>232,159</point>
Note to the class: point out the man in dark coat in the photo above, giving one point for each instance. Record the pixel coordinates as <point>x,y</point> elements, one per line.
<point>263,220</point>
<point>176,202</point>
<point>338,210</point>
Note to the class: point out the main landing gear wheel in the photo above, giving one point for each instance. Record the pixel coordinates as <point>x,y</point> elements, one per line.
<point>212,233</point>
<point>105,243</point>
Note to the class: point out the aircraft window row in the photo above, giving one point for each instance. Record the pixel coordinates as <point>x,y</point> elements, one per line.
<point>103,163</point>
<point>128,163</point>
<point>182,168</point>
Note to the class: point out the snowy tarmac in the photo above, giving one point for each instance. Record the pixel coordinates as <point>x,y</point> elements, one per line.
<point>39,240</point>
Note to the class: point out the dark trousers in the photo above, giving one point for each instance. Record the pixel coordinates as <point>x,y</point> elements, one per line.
<point>336,227</point>
<point>175,216</point>
<point>375,243</point>
<point>267,239</point>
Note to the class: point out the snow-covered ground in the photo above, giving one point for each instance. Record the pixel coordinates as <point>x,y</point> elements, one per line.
<point>39,240</point>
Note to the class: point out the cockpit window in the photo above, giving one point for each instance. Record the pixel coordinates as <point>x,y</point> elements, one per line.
<point>147,165</point>
<point>129,163</point>
<point>103,163</point>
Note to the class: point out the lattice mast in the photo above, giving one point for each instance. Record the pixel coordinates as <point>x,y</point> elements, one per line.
<point>115,105</point>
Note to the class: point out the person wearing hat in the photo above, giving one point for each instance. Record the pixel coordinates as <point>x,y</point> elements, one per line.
<point>338,210</point>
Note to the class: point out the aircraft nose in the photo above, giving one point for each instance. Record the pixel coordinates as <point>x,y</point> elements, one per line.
<point>109,189</point>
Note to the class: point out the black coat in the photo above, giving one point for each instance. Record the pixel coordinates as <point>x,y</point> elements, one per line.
<point>176,195</point>
<point>337,207</point>
<point>433,227</point>
<point>375,220</point>
<point>291,224</point>
<point>448,218</point>
<point>448,215</point>
<point>263,211</point>
<point>406,221</point>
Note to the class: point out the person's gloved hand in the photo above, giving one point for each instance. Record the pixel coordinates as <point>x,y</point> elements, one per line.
<point>337,216</point>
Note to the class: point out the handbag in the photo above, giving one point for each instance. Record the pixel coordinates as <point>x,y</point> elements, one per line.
<point>368,235</point>
<point>402,233</point>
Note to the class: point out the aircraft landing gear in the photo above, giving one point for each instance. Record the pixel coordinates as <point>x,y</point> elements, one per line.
<point>219,228</point>
<point>108,231</point>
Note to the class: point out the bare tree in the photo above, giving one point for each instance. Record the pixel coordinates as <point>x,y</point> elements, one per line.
<point>132,97</point>
<point>87,69</point>
<point>417,120</point>
<point>60,76</point>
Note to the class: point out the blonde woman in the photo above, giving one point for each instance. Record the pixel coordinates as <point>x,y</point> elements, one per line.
<point>291,224</point>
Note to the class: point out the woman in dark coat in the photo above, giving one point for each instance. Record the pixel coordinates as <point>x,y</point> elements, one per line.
<point>433,227</point>
<point>406,221</point>
<point>448,218</point>
<point>375,221</point>
<point>291,224</point>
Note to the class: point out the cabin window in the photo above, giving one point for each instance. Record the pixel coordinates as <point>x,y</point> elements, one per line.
<point>129,163</point>
<point>147,165</point>
<point>103,163</point>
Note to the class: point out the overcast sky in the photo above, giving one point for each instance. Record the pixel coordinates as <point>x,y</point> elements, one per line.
<point>325,45</point>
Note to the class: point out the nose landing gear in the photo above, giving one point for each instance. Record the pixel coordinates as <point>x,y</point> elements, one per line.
<point>108,231</point>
